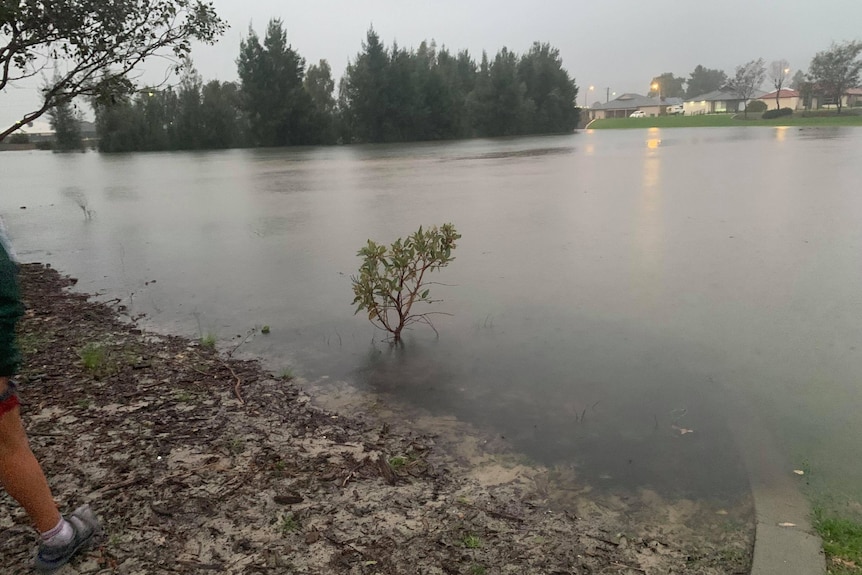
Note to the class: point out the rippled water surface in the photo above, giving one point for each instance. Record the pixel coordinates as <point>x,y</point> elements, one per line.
<point>611,292</point>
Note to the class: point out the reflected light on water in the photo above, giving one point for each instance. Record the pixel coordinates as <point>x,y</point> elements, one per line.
<point>654,141</point>
<point>781,133</point>
<point>649,221</point>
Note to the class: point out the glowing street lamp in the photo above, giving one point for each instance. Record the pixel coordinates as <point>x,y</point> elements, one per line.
<point>585,95</point>
<point>656,87</point>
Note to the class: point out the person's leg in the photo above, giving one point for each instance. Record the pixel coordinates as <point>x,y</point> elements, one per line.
<point>20,473</point>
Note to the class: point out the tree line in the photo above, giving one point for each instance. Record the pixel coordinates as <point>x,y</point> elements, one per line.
<point>830,73</point>
<point>387,94</point>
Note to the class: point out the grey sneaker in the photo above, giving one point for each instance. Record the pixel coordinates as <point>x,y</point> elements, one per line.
<point>85,526</point>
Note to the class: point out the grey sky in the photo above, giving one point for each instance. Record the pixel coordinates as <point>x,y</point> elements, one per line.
<point>616,44</point>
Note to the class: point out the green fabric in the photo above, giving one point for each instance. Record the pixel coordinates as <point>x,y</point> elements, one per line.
<point>10,310</point>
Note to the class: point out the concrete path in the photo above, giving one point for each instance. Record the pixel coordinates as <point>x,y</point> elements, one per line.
<point>785,543</point>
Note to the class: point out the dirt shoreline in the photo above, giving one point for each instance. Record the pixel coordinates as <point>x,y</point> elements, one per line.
<point>199,463</point>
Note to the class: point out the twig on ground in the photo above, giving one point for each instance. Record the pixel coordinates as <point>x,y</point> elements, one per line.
<point>499,514</point>
<point>237,387</point>
<point>206,566</point>
<point>624,566</point>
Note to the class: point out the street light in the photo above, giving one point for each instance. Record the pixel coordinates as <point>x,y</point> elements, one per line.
<point>656,87</point>
<point>585,95</point>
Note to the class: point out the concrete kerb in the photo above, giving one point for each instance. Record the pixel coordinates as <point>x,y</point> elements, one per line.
<point>785,543</point>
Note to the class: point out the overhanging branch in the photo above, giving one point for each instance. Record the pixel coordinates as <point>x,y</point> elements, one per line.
<point>100,45</point>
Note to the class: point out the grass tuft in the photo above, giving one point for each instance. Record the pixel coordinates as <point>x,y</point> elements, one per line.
<point>842,543</point>
<point>289,524</point>
<point>93,357</point>
<point>397,462</point>
<point>471,541</point>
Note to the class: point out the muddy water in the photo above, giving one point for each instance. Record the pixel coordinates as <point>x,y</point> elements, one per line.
<point>615,294</point>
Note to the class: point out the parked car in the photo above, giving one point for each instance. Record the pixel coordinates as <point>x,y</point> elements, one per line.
<point>675,110</point>
<point>637,114</point>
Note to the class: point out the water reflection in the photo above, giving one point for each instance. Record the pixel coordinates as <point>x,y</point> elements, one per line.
<point>121,192</point>
<point>631,423</point>
<point>519,153</point>
<point>826,132</point>
<point>649,229</point>
<point>653,142</point>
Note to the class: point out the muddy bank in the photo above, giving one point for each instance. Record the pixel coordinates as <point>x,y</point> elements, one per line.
<point>199,463</point>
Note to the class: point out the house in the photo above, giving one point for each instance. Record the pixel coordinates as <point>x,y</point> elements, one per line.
<point>786,99</point>
<point>39,128</point>
<point>716,102</point>
<point>852,97</point>
<point>88,129</point>
<point>40,131</point>
<point>624,105</point>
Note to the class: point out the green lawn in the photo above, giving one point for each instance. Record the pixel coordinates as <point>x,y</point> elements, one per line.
<point>721,120</point>
<point>842,543</point>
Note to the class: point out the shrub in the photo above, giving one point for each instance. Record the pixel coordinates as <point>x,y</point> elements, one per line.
<point>19,138</point>
<point>772,114</point>
<point>757,106</point>
<point>392,279</point>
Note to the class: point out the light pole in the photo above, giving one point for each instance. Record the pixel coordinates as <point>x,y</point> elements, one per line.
<point>585,95</point>
<point>656,87</point>
<point>778,91</point>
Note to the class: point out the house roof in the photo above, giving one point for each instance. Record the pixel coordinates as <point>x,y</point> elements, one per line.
<point>784,94</point>
<point>723,95</point>
<point>87,128</point>
<point>815,88</point>
<point>629,102</point>
<point>714,96</point>
<point>37,127</point>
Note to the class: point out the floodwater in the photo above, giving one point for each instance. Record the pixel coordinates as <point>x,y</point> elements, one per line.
<point>614,298</point>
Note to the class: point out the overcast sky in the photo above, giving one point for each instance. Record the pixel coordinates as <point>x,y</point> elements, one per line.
<point>615,44</point>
